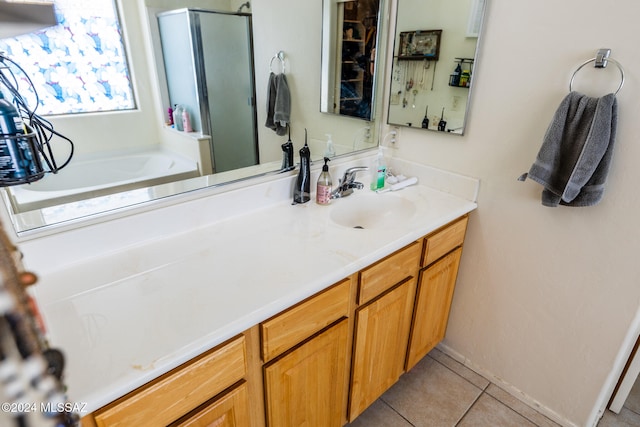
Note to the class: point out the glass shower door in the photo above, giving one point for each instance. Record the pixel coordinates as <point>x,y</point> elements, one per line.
<point>227,61</point>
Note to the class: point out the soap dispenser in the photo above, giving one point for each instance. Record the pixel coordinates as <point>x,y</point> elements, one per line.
<point>379,171</point>
<point>323,188</point>
<point>329,150</point>
<point>302,190</point>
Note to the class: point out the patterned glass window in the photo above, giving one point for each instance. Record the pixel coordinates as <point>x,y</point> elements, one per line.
<point>78,66</point>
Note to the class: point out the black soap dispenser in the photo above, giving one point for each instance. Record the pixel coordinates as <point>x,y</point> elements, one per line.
<point>302,190</point>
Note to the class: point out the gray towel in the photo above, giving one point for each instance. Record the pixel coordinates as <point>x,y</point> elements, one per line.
<point>575,156</point>
<point>278,104</point>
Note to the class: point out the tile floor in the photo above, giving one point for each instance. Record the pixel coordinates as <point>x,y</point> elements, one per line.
<point>629,416</point>
<point>440,392</point>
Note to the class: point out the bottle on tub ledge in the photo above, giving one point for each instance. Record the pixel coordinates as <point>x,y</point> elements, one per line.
<point>177,117</point>
<point>186,121</point>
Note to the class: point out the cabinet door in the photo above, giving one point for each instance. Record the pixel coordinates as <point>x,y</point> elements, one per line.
<point>382,333</point>
<point>433,302</point>
<point>306,386</point>
<point>230,410</point>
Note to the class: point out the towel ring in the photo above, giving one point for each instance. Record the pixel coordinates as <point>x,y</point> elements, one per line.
<point>279,56</point>
<point>596,61</point>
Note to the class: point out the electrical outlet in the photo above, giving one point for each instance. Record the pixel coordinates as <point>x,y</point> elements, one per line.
<point>395,135</point>
<point>455,103</point>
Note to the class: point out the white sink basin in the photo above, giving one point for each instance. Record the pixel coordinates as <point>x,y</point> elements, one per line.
<point>372,210</point>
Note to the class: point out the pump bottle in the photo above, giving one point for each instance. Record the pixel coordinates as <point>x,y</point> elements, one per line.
<point>323,188</point>
<point>378,172</point>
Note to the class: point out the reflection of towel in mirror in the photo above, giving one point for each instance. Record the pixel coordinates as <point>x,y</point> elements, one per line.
<point>575,156</point>
<point>278,104</point>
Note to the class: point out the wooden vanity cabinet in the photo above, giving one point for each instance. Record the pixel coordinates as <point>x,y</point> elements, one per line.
<point>306,385</point>
<point>307,351</point>
<point>382,326</point>
<point>321,362</point>
<point>436,283</point>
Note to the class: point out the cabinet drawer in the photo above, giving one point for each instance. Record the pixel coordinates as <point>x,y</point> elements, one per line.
<point>304,319</point>
<point>388,272</point>
<point>174,394</point>
<point>230,410</point>
<point>444,241</point>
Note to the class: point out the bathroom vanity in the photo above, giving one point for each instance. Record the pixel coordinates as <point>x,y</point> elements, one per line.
<point>204,309</point>
<point>353,339</point>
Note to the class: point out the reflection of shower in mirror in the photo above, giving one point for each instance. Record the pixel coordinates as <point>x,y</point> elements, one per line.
<point>243,5</point>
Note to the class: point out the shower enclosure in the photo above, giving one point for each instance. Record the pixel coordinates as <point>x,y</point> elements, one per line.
<point>208,59</point>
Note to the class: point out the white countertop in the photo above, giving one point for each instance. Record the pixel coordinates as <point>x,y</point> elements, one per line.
<point>126,316</point>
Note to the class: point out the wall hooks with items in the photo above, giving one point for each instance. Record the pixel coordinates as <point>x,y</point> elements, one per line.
<point>600,61</point>
<point>280,57</point>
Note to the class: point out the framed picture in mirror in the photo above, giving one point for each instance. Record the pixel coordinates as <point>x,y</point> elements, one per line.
<point>420,44</point>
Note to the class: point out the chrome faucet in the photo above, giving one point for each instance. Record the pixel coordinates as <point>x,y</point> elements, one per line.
<point>348,182</point>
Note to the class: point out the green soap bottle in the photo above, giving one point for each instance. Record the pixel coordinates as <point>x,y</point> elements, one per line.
<point>378,172</point>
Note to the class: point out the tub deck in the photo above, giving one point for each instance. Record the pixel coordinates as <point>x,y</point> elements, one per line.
<point>88,178</point>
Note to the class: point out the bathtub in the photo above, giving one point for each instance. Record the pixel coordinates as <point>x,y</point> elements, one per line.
<point>94,177</point>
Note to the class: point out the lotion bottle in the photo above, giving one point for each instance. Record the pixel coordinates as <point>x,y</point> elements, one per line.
<point>186,121</point>
<point>323,188</point>
<point>177,117</point>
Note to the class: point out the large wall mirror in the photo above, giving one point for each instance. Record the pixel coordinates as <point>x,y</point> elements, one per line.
<point>435,49</point>
<point>123,140</point>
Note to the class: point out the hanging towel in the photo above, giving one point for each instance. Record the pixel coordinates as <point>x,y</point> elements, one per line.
<point>278,104</point>
<point>575,156</point>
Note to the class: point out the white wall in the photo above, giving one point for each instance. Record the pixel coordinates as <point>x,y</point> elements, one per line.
<point>545,296</point>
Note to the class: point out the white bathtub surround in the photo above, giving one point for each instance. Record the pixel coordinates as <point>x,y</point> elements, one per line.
<point>92,176</point>
<point>141,294</point>
<point>192,145</point>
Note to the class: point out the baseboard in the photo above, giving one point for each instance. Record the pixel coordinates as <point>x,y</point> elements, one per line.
<point>509,388</point>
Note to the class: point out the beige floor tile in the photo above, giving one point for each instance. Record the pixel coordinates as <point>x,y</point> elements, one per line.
<point>457,367</point>
<point>379,414</point>
<point>431,395</point>
<point>633,400</point>
<point>625,418</point>
<point>520,407</point>
<point>489,412</point>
